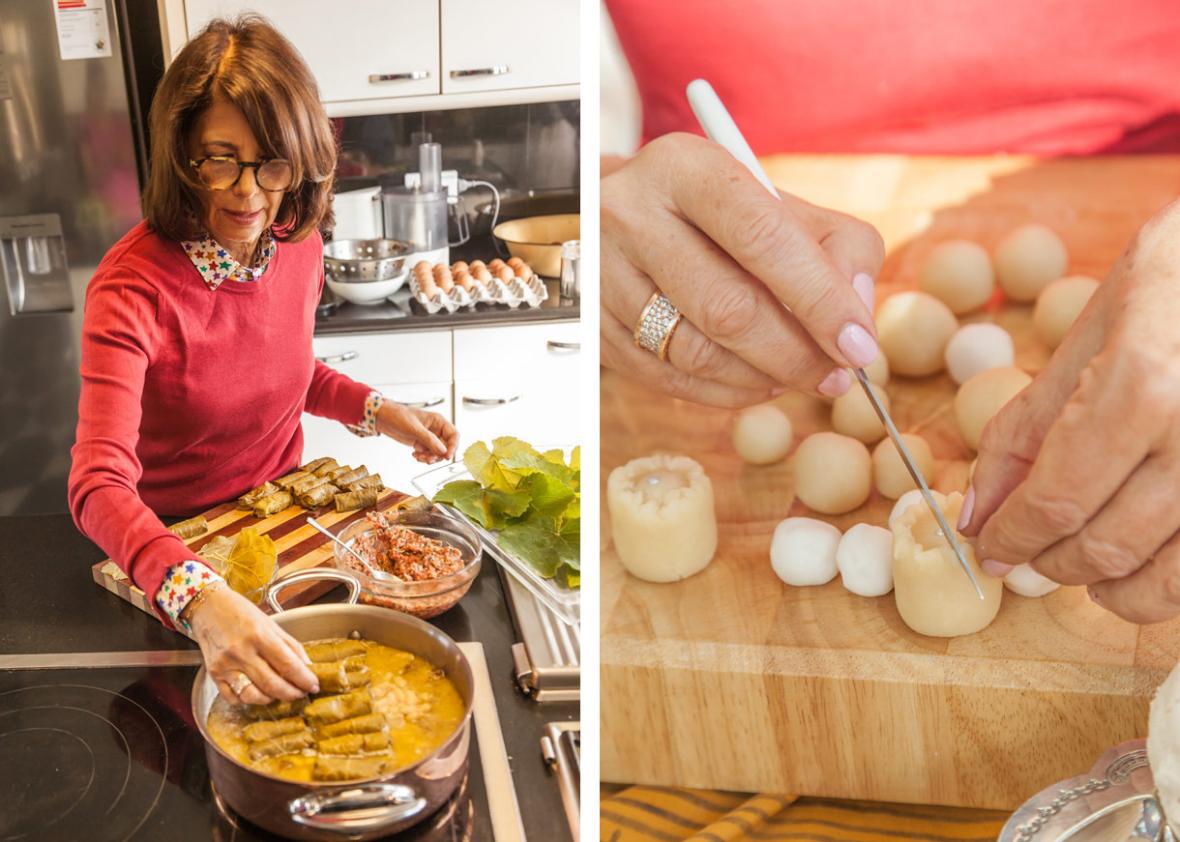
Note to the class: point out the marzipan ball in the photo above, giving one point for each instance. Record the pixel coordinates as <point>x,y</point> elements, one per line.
<point>833,473</point>
<point>762,434</point>
<point>803,551</point>
<point>853,414</point>
<point>983,396</point>
<point>865,560</point>
<point>978,347</point>
<point>1059,305</point>
<point>889,471</point>
<point>1028,260</point>
<point>913,329</point>
<point>959,274</point>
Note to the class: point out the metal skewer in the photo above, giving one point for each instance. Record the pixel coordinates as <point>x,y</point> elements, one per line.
<point>719,126</point>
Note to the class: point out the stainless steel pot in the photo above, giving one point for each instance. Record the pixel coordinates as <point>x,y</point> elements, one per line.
<point>364,809</point>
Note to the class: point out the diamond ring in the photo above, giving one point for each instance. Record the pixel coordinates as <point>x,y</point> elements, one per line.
<point>656,324</point>
<point>240,683</point>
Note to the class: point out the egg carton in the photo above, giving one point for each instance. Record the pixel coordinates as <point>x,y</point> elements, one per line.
<point>514,293</point>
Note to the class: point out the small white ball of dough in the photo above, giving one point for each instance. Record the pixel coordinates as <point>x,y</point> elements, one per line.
<point>762,434</point>
<point>959,274</point>
<point>889,471</point>
<point>1059,305</point>
<point>1028,259</point>
<point>803,551</point>
<point>913,498</point>
<point>1023,580</point>
<point>833,473</point>
<point>978,347</point>
<point>877,371</point>
<point>853,414</point>
<point>913,329</point>
<point>982,397</point>
<point>865,560</point>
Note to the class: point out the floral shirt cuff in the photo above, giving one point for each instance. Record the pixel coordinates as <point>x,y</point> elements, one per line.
<point>368,423</point>
<point>182,582</point>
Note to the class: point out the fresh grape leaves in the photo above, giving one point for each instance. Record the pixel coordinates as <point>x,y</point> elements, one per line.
<point>531,498</point>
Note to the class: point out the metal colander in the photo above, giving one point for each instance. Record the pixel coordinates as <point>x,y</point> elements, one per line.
<point>361,261</point>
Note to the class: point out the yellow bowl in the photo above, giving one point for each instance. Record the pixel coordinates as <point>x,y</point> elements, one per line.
<point>537,240</point>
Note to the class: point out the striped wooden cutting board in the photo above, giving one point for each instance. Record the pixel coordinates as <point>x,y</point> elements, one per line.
<point>299,546</point>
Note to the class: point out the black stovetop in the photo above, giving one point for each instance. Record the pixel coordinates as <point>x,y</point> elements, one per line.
<point>112,754</point>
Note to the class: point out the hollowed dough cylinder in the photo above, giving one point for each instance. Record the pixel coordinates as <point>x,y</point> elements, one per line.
<point>978,347</point>
<point>662,518</point>
<point>803,551</point>
<point>1029,259</point>
<point>1059,305</point>
<point>762,434</point>
<point>913,329</point>
<point>934,596</point>
<point>982,397</point>
<point>889,471</point>
<point>959,274</point>
<point>853,414</point>
<point>833,473</point>
<point>912,498</point>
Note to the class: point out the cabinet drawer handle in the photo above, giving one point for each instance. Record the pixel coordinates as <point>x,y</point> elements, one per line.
<point>494,70</point>
<point>412,76</point>
<point>554,345</point>
<point>489,401</point>
<point>426,404</point>
<point>339,358</point>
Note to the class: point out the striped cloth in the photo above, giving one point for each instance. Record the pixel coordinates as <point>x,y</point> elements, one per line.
<point>651,814</point>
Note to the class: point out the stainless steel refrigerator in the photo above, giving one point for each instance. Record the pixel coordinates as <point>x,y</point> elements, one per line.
<point>72,151</point>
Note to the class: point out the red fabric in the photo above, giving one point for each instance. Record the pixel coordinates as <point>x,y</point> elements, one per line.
<point>1048,77</point>
<point>191,396</point>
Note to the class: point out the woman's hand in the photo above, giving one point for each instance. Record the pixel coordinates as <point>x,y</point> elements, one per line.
<point>1078,474</point>
<point>237,639</point>
<point>432,436</point>
<point>774,294</point>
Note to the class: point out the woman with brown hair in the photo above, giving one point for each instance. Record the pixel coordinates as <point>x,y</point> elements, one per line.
<point>196,350</point>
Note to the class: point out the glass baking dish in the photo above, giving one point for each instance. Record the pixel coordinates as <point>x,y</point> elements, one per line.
<point>564,602</point>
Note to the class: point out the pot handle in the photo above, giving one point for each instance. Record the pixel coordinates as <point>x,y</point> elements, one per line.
<point>363,808</point>
<point>354,585</point>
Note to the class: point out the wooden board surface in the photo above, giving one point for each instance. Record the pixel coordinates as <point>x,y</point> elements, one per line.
<point>733,680</point>
<point>299,546</point>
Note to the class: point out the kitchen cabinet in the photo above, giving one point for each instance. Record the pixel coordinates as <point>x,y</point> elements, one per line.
<point>496,46</point>
<point>520,381</point>
<point>358,49</point>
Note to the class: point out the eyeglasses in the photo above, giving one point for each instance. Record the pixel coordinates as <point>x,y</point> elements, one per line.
<point>221,172</point>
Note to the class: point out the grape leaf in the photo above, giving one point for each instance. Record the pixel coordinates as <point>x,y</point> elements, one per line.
<point>576,458</point>
<point>568,544</point>
<point>487,468</point>
<point>549,495</point>
<point>492,508</point>
<point>534,541</point>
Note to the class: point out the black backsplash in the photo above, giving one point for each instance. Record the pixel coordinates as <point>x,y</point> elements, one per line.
<point>525,150</point>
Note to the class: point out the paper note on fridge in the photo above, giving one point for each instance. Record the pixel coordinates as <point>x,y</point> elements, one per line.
<point>82,28</point>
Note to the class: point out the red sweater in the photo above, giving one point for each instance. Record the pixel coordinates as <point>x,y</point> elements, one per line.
<point>191,396</point>
<point>1048,77</point>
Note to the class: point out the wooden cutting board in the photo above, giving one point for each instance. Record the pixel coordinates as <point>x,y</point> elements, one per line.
<point>299,546</point>
<point>733,680</point>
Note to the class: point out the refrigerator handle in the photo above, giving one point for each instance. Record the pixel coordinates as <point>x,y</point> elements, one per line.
<point>33,262</point>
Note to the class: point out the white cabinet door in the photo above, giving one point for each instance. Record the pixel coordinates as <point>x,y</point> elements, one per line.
<point>517,44</point>
<point>357,49</point>
<point>410,357</point>
<point>518,381</point>
<point>381,455</point>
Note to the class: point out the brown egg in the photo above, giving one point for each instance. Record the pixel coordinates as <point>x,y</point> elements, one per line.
<point>459,266</point>
<point>445,282</point>
<point>428,287</point>
<point>496,264</point>
<point>505,274</point>
<point>481,273</point>
<point>463,278</point>
<point>421,266</point>
<point>441,269</point>
<point>476,265</point>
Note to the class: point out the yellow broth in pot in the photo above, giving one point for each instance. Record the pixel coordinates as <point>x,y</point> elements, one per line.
<point>380,709</point>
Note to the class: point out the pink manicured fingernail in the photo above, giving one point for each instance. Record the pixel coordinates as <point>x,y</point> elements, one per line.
<point>864,287</point>
<point>857,345</point>
<point>780,390</point>
<point>995,568</point>
<point>836,383</point>
<point>315,688</point>
<point>968,508</point>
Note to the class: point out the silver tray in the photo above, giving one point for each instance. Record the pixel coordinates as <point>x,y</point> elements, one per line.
<point>1114,802</point>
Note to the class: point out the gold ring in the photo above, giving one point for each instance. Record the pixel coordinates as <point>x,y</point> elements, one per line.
<point>657,323</point>
<point>240,683</point>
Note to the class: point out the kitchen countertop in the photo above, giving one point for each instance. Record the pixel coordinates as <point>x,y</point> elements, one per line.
<point>50,604</point>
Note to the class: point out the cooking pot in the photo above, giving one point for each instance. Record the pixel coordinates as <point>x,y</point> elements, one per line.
<point>366,809</point>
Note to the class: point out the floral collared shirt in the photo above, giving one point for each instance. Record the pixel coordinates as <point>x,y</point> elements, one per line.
<point>216,265</point>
